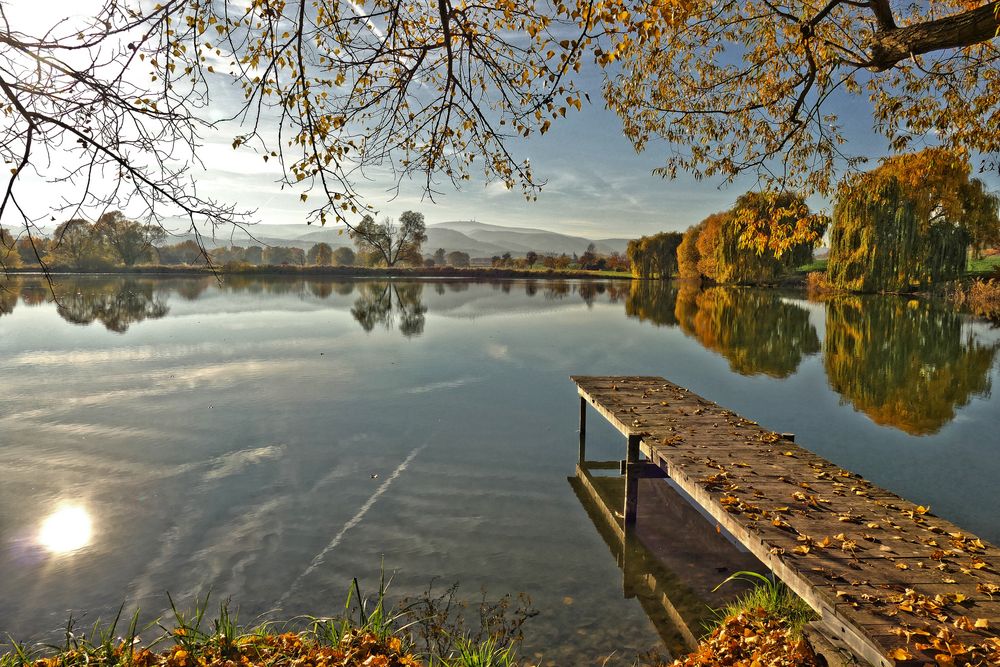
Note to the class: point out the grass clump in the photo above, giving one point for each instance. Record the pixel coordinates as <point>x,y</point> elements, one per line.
<point>368,633</point>
<point>770,595</point>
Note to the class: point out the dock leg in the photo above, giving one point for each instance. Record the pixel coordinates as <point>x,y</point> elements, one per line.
<point>632,479</point>
<point>583,430</point>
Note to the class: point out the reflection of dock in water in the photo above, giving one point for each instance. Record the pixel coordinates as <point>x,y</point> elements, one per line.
<point>671,559</point>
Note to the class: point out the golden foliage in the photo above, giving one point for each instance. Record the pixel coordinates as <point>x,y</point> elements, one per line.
<point>687,254</point>
<point>355,649</point>
<point>982,298</point>
<point>744,86</point>
<point>751,638</point>
<point>759,240</point>
<point>902,225</point>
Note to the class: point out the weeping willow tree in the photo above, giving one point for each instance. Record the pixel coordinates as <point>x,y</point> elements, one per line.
<point>907,365</point>
<point>908,223</point>
<point>654,256</point>
<point>756,331</point>
<point>742,246</point>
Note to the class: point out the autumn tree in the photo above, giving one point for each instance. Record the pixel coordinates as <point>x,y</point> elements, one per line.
<point>254,255</point>
<point>457,258</point>
<point>32,249</point>
<point>320,254</point>
<point>77,245</point>
<point>185,252</point>
<point>903,224</point>
<point>708,242</point>
<point>687,254</point>
<point>654,256</point>
<point>228,255</point>
<point>388,240</point>
<point>344,256</point>
<point>277,255</point>
<point>10,258</point>
<point>128,240</point>
<point>589,257</point>
<point>724,248</point>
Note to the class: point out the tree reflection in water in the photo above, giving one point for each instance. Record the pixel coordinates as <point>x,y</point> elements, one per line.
<point>652,301</point>
<point>905,364</point>
<point>756,330</point>
<point>9,290</point>
<point>390,305</point>
<point>115,303</point>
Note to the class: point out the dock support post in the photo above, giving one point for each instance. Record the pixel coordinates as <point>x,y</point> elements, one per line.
<point>632,479</point>
<point>583,430</point>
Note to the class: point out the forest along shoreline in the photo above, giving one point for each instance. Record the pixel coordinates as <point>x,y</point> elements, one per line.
<point>486,273</point>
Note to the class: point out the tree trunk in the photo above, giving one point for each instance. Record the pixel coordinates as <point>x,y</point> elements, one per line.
<point>888,47</point>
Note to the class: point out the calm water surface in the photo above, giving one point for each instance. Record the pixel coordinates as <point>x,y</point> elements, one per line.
<point>270,439</point>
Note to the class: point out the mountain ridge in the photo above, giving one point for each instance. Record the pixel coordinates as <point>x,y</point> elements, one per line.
<point>478,239</point>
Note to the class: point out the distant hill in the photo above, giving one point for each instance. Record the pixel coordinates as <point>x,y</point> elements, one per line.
<point>519,240</point>
<point>479,239</point>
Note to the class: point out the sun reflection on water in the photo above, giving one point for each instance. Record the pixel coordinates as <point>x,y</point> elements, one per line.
<point>66,530</point>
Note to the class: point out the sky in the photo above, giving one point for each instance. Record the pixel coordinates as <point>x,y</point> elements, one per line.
<point>596,184</point>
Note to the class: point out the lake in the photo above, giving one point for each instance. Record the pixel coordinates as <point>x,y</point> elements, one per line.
<point>269,439</point>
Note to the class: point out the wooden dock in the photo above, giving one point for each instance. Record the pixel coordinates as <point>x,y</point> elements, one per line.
<point>890,581</point>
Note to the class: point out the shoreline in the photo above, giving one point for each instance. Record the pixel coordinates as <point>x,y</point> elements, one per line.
<point>352,272</point>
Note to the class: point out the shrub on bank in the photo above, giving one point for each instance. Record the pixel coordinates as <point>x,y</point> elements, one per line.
<point>982,298</point>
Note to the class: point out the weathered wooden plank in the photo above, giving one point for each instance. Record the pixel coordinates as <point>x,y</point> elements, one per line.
<point>846,546</point>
